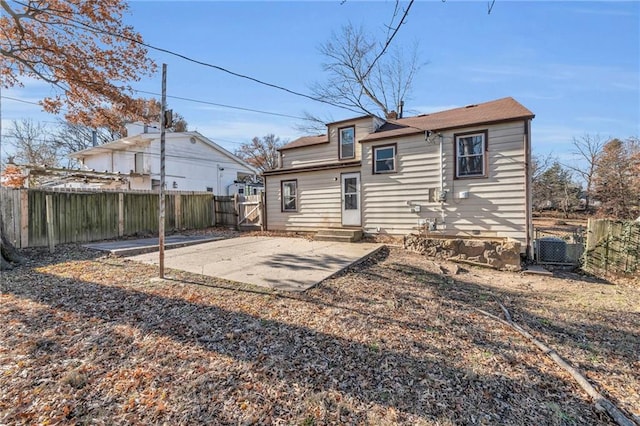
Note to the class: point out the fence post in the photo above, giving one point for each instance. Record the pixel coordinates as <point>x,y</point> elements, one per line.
<point>213,209</point>
<point>24,218</point>
<point>606,247</point>
<point>50,222</point>
<point>120,214</point>
<point>263,211</point>
<point>177,210</point>
<point>236,208</point>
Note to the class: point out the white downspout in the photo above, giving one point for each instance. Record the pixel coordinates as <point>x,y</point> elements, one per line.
<point>441,166</point>
<point>442,215</point>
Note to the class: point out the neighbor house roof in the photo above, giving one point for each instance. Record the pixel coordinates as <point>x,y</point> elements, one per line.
<point>117,145</point>
<point>306,141</point>
<point>505,109</point>
<point>144,138</point>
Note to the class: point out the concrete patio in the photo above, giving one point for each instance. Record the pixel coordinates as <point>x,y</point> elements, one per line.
<point>290,264</point>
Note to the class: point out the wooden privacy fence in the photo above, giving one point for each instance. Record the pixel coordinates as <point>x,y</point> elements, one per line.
<point>613,248</point>
<point>34,217</point>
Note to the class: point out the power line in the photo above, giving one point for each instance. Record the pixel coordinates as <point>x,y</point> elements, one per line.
<point>200,101</point>
<point>187,159</point>
<point>386,45</point>
<point>230,141</point>
<point>183,99</point>
<point>85,26</point>
<point>91,28</point>
<point>28,102</point>
<point>20,100</point>
<point>5,135</point>
<point>224,105</point>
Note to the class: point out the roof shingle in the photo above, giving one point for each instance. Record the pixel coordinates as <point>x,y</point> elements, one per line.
<point>488,112</point>
<point>306,141</point>
<point>504,109</point>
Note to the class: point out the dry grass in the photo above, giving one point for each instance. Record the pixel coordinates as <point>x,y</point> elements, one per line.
<point>97,340</point>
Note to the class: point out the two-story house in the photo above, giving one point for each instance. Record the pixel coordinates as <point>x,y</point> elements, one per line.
<point>461,172</point>
<point>192,162</point>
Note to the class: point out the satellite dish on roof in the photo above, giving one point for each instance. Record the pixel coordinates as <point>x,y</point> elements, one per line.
<point>192,139</point>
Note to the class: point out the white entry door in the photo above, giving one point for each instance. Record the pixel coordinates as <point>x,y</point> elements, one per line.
<point>351,199</point>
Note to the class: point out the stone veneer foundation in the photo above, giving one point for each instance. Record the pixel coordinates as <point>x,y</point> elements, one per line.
<point>503,254</point>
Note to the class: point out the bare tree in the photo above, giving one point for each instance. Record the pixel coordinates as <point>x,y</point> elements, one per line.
<point>588,149</point>
<point>262,153</point>
<point>313,124</point>
<point>553,186</point>
<point>539,165</point>
<point>616,182</point>
<point>31,143</point>
<point>362,77</point>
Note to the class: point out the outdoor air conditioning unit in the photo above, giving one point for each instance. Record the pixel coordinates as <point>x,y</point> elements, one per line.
<point>552,249</point>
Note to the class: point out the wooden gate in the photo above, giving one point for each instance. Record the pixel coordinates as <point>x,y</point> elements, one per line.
<point>226,212</point>
<point>249,210</point>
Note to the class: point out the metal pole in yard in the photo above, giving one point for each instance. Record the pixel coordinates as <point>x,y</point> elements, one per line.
<point>162,170</point>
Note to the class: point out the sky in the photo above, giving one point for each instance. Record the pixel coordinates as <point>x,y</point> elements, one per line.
<point>576,65</point>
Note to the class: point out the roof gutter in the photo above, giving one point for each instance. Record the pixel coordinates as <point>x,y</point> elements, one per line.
<point>312,168</point>
<point>415,130</point>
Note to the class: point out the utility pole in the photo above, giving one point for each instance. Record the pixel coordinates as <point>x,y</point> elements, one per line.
<point>162,170</point>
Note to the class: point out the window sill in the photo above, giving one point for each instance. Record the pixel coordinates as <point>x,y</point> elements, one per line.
<point>472,177</point>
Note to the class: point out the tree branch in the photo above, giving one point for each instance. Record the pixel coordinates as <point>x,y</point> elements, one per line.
<point>600,401</point>
<point>388,42</point>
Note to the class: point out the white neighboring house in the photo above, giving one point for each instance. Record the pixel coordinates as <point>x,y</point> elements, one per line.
<point>192,162</point>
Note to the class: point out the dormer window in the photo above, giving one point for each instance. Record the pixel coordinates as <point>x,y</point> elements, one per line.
<point>347,142</point>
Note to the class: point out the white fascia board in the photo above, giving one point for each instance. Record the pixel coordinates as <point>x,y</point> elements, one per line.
<point>223,151</point>
<point>117,145</point>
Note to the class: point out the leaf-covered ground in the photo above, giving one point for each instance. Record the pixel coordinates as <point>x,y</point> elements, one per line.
<point>98,340</point>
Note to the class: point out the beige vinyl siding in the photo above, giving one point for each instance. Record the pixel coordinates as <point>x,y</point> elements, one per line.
<point>309,155</point>
<point>495,207</point>
<point>319,201</point>
<point>328,152</point>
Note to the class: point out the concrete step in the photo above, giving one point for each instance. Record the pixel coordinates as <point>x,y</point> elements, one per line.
<point>336,238</point>
<point>339,234</point>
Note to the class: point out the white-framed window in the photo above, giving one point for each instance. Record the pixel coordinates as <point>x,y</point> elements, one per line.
<point>347,136</point>
<point>384,159</point>
<point>471,154</point>
<point>289,191</point>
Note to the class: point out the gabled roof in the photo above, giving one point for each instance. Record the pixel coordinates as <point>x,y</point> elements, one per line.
<point>362,117</point>
<point>222,150</point>
<point>505,109</point>
<point>306,141</point>
<point>135,140</point>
